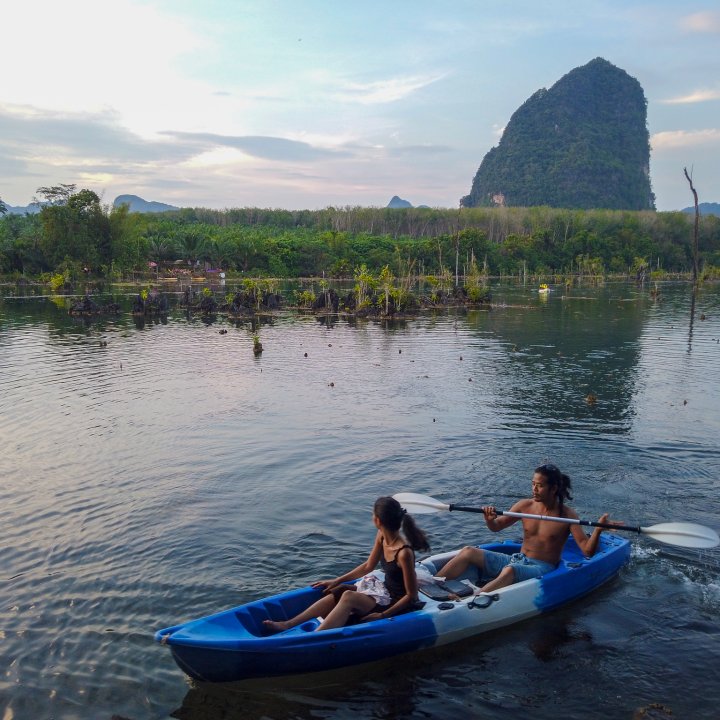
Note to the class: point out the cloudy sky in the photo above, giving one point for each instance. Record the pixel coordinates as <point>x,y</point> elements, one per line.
<point>311,103</point>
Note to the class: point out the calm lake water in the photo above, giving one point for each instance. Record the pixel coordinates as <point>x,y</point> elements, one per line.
<point>156,472</point>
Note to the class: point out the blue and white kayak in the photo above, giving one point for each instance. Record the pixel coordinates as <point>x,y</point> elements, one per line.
<point>234,644</point>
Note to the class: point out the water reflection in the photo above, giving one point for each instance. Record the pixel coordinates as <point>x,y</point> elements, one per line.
<point>692,318</point>
<point>555,635</point>
<point>143,322</point>
<point>570,351</point>
<point>329,701</point>
<point>328,321</point>
<point>399,687</point>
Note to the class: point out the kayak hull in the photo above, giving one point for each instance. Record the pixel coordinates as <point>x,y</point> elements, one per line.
<point>234,645</point>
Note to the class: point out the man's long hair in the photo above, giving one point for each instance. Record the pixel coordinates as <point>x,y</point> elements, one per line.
<point>558,480</point>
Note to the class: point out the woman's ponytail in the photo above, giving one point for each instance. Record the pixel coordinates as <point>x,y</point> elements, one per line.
<point>391,514</point>
<point>413,534</point>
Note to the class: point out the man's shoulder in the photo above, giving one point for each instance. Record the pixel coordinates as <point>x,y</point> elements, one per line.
<point>523,505</point>
<point>569,512</point>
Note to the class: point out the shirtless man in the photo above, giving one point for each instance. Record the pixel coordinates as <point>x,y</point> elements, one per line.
<point>543,541</point>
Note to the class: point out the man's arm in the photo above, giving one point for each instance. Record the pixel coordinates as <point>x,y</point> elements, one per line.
<point>499,522</point>
<point>587,544</point>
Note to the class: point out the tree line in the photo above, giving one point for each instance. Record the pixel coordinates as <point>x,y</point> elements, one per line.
<point>75,233</point>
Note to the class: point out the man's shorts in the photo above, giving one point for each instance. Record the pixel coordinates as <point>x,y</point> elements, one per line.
<point>523,567</point>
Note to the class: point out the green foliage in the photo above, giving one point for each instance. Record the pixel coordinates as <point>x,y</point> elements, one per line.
<point>582,144</point>
<point>402,298</point>
<point>397,245</point>
<point>385,282</point>
<point>128,249</point>
<point>476,284</point>
<point>364,284</point>
<point>478,294</point>
<point>58,280</point>
<point>56,194</point>
<point>305,298</point>
<point>74,227</point>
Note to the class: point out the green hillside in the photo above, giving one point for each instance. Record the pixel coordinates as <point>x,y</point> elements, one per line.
<point>582,144</point>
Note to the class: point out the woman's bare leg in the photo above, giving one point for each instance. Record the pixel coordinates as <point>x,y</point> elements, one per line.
<point>319,608</point>
<point>350,602</point>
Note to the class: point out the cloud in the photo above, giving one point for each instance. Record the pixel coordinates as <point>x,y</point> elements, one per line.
<point>41,147</point>
<point>418,150</point>
<point>670,139</point>
<point>10,165</point>
<point>267,148</point>
<point>79,55</point>
<point>702,22</point>
<point>90,138</point>
<point>694,97</point>
<point>384,91</point>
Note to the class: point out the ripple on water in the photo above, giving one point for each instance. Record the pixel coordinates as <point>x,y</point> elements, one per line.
<point>170,474</point>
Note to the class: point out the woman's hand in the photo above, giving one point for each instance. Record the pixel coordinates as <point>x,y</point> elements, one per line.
<point>372,616</point>
<point>326,585</point>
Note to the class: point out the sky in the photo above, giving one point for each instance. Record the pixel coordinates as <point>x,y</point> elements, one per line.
<point>305,104</point>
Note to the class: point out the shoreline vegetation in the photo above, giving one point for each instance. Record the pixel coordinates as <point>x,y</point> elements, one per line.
<point>382,297</point>
<point>364,261</point>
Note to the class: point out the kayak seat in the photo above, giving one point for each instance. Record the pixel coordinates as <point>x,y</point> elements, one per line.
<point>278,608</point>
<point>251,616</point>
<point>445,590</point>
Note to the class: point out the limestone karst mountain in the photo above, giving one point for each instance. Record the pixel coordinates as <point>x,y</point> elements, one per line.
<point>583,143</point>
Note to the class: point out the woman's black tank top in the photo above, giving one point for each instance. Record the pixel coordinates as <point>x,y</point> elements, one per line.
<point>394,576</point>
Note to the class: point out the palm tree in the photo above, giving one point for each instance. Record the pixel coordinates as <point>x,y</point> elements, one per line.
<point>193,246</point>
<point>159,249</point>
<point>386,283</point>
<point>3,207</point>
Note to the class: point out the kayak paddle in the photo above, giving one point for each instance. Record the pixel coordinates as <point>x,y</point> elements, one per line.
<point>673,533</point>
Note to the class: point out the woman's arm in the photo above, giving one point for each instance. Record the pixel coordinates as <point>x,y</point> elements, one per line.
<point>363,569</point>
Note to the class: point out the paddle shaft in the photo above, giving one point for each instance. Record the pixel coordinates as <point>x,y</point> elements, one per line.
<point>568,521</point>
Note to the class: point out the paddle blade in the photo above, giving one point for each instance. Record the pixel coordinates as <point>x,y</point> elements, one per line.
<point>417,504</point>
<point>683,534</point>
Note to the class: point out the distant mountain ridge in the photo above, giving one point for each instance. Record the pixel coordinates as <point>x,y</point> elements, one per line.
<point>137,204</point>
<point>705,208</point>
<point>582,144</point>
<point>398,202</point>
<point>23,209</point>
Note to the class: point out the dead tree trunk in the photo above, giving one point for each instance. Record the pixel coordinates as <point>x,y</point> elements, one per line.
<point>695,230</point>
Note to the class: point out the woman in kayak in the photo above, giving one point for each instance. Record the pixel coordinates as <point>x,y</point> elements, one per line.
<point>397,538</point>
